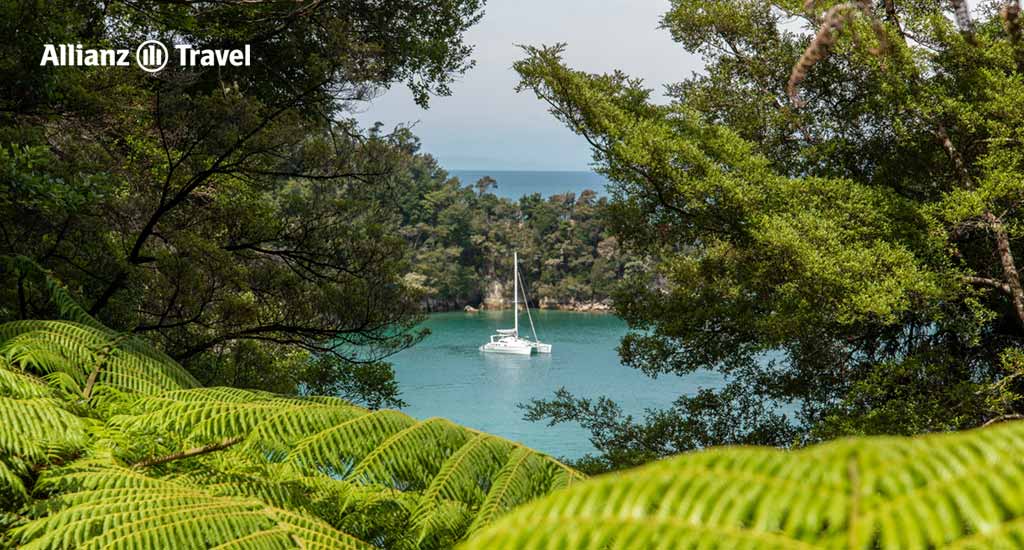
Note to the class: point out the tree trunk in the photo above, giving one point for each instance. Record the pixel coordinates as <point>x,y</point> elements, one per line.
<point>1009,266</point>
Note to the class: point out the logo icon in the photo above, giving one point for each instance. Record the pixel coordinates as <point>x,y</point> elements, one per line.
<point>151,56</point>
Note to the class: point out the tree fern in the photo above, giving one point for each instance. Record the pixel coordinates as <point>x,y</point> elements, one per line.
<point>149,460</point>
<point>51,346</point>
<point>120,448</point>
<point>951,491</point>
<point>20,385</point>
<point>133,454</point>
<point>114,507</point>
<point>379,460</point>
<point>35,429</point>
<point>413,456</point>
<point>208,414</point>
<point>450,469</point>
<point>514,484</point>
<point>478,458</point>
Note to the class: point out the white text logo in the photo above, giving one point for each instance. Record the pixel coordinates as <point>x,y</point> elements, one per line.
<point>151,56</point>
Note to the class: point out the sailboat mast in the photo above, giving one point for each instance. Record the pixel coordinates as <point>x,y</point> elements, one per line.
<point>526,306</point>
<point>515,286</point>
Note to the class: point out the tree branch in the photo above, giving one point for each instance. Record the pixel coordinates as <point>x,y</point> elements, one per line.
<point>188,453</point>
<point>1009,266</point>
<point>135,256</point>
<point>992,283</point>
<point>1003,418</point>
<point>101,360</point>
<point>954,155</point>
<point>893,17</point>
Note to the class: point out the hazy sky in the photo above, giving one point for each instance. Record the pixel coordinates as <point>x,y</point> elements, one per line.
<point>486,125</point>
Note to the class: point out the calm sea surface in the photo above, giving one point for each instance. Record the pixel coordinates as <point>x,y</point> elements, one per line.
<point>515,184</point>
<point>447,376</point>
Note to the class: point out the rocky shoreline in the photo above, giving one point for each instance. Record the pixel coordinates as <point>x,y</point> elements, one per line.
<point>494,299</point>
<point>602,306</point>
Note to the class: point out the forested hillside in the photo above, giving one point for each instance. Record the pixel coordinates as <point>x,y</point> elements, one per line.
<point>461,237</point>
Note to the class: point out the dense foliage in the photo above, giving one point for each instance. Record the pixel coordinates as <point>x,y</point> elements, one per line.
<point>462,235</point>
<point>108,443</point>
<point>941,491</point>
<point>228,214</point>
<point>835,232</point>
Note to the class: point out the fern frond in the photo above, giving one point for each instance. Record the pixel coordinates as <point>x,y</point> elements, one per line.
<point>214,394</point>
<point>942,491</point>
<point>340,447</point>
<point>450,471</point>
<point>94,511</point>
<point>34,430</point>
<point>44,347</point>
<point>458,481</point>
<point>272,486</point>
<point>20,385</point>
<point>223,467</point>
<point>214,413</point>
<point>12,484</point>
<point>524,476</point>
<point>34,427</point>
<point>410,458</point>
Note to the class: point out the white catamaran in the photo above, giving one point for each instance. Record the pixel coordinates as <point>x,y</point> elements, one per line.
<point>507,340</point>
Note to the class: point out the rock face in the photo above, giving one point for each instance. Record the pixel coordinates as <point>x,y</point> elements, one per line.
<point>594,306</point>
<point>498,295</point>
<point>494,296</point>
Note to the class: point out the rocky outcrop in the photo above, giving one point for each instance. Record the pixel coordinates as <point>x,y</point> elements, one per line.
<point>586,306</point>
<point>498,296</point>
<point>494,296</point>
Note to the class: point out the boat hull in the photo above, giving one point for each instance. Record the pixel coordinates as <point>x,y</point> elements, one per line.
<point>498,347</point>
<point>542,348</point>
<point>487,348</point>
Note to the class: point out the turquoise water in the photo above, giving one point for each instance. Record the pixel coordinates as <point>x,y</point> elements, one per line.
<point>446,375</point>
<point>515,184</point>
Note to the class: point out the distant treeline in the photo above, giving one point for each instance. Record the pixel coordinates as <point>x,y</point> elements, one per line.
<point>462,237</point>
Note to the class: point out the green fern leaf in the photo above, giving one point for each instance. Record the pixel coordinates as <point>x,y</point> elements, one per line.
<point>943,491</point>
<point>410,458</point>
<point>44,347</point>
<point>450,471</point>
<point>524,476</point>
<point>458,481</point>
<point>96,510</point>
<point>223,467</point>
<point>35,429</point>
<point>20,385</point>
<point>340,447</point>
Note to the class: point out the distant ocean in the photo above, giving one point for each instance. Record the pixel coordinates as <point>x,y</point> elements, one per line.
<point>515,184</point>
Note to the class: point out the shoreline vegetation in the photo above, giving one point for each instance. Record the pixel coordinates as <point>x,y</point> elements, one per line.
<point>461,236</point>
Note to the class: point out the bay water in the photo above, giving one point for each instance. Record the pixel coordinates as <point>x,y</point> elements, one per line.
<point>513,184</point>
<point>447,375</point>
